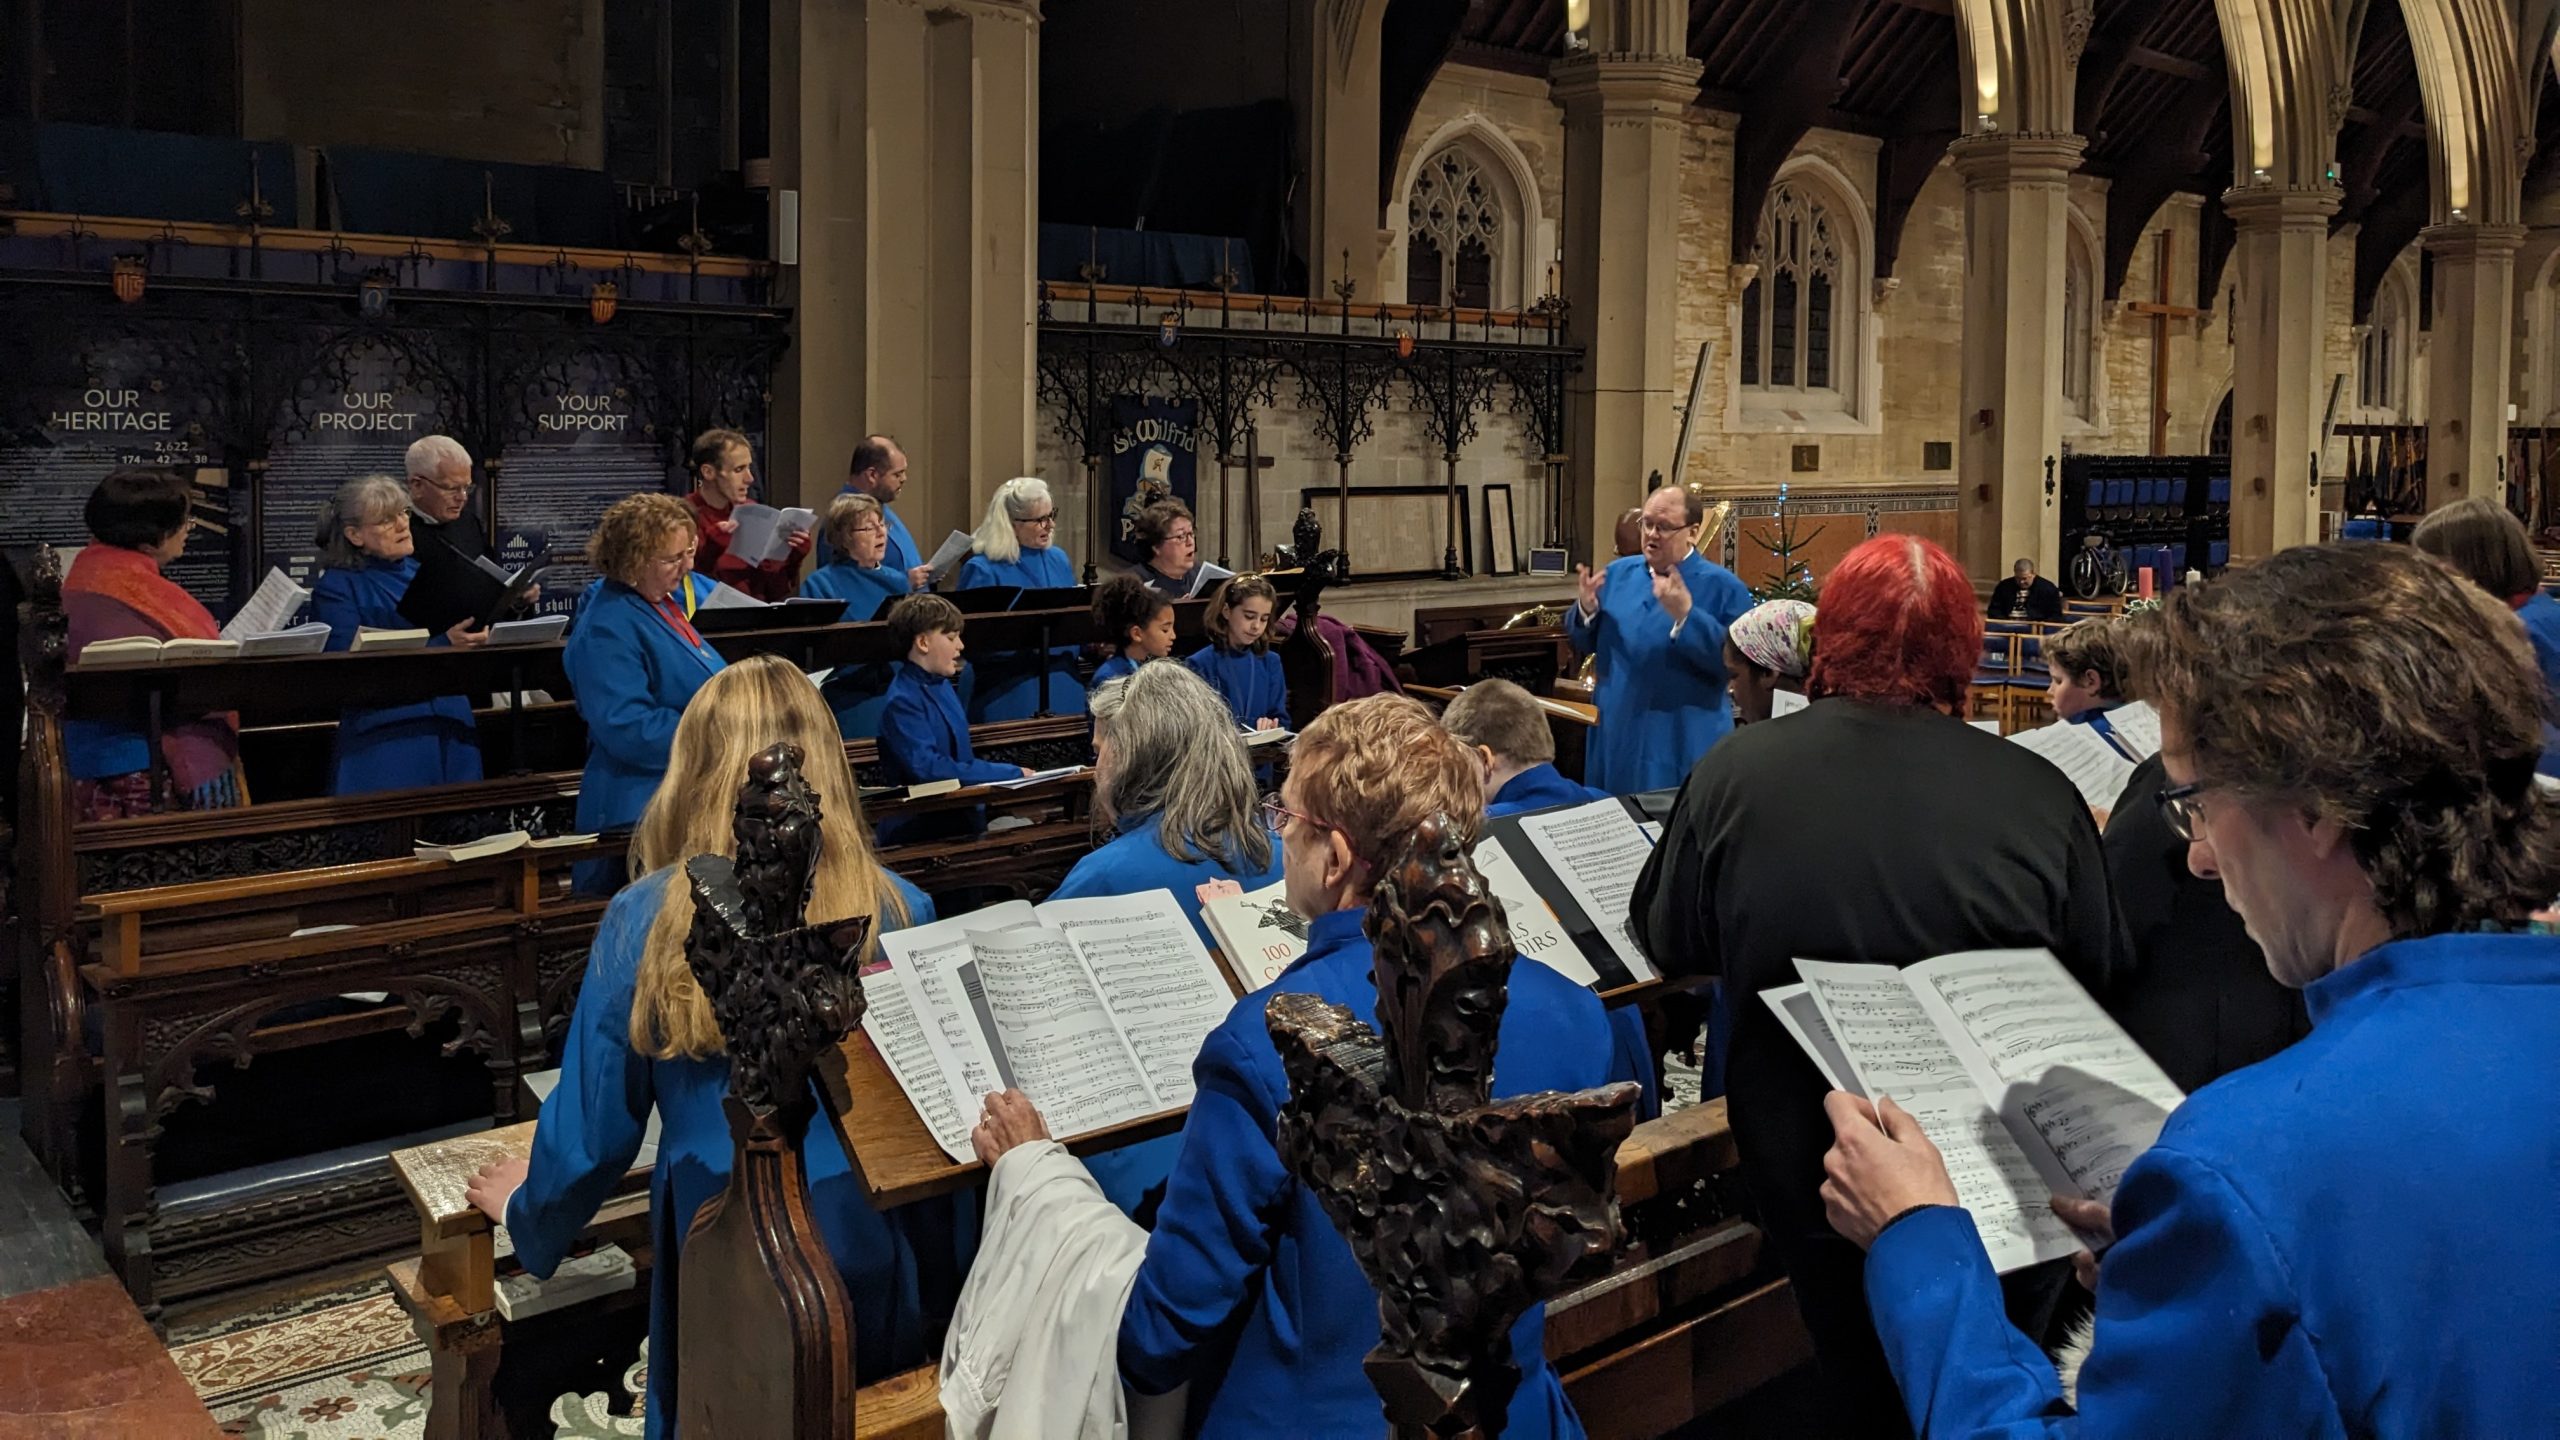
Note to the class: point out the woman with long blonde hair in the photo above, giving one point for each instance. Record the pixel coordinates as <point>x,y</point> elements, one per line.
<point>643,1036</point>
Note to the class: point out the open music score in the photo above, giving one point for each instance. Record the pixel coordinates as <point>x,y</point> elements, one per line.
<point>2026,1087</point>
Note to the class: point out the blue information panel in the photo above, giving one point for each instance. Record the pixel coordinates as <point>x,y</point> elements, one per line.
<point>588,451</point>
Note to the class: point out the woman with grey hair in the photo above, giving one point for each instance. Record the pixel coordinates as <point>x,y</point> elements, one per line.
<point>369,559</point>
<point>2339,1239</point>
<point>1011,549</point>
<point>1172,780</point>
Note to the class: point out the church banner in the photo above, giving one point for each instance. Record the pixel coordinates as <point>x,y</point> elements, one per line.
<point>1151,459</point>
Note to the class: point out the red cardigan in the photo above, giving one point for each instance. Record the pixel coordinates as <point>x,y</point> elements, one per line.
<point>776,580</point>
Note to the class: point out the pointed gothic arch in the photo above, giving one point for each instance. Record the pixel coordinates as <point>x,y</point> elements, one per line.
<point>1516,246</point>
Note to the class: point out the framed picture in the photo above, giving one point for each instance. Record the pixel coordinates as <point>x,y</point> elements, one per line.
<point>1501,535</point>
<point>1398,532</point>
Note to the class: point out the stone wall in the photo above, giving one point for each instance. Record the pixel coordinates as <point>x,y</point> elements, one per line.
<point>504,80</point>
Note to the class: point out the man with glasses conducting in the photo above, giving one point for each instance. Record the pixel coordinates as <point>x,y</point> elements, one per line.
<point>1656,620</point>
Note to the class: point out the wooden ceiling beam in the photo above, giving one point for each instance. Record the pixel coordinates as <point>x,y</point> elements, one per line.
<point>2161,62</point>
<point>2151,174</point>
<point>1777,112</point>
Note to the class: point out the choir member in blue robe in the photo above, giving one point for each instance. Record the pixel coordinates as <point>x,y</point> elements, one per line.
<point>369,558</point>
<point>1011,549</point>
<point>924,734</point>
<point>880,471</point>
<point>1656,620</point>
<point>1174,786</point>
<point>634,661</point>
<point>643,1037</point>
<point>1238,659</point>
<point>859,531</point>
<point>1248,1293</point>
<point>2088,681</point>
<point>1504,728</point>
<point>1138,622</point>
<point>2483,540</point>
<point>2349,1237</point>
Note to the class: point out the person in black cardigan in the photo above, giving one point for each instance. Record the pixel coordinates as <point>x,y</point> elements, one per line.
<point>1874,826</point>
<point>2025,595</point>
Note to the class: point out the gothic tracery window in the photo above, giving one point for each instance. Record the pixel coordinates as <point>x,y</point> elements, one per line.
<point>1799,313</point>
<point>2379,381</point>
<point>2079,325</point>
<point>1455,231</point>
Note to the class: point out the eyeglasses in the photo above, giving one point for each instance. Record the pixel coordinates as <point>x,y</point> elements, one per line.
<point>1275,815</point>
<point>1050,518</point>
<point>673,561</point>
<point>1656,528</point>
<point>440,487</point>
<point>2178,806</point>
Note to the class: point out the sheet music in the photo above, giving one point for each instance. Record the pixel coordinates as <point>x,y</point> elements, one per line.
<point>948,554</point>
<point>725,596</point>
<point>897,1032</point>
<point>928,960</point>
<point>2138,726</point>
<point>274,603</point>
<point>1598,852</point>
<point>1894,1049</point>
<point>1796,1010</point>
<point>1535,930</point>
<point>1785,702</point>
<point>2085,758</point>
<point>1209,575</point>
<point>1065,1052</point>
<point>764,533</point>
<point>1154,976</point>
<point>2062,1069</point>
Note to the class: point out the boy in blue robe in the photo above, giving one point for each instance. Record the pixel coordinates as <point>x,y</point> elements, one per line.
<point>923,733</point>
<point>1238,659</point>
<point>370,558</point>
<point>1656,621</point>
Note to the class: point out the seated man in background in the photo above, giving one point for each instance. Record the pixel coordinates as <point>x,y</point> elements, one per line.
<point>2339,1240</point>
<point>2025,595</point>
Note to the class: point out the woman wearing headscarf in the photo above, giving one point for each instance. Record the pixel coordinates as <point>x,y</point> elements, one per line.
<point>1767,651</point>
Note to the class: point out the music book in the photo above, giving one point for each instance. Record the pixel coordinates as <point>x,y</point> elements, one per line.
<point>1036,777</point>
<point>2136,727</point>
<point>1209,575</point>
<point>948,555</point>
<point>2084,756</point>
<point>2026,1087</point>
<point>1093,1008</point>
<point>1262,739</point>
<point>450,589</point>
<point>1566,878</point>
<point>540,631</point>
<point>1785,702</point>
<point>764,533</point>
<point>309,638</point>
<point>130,650</point>
<point>368,640</point>
<point>1258,934</point>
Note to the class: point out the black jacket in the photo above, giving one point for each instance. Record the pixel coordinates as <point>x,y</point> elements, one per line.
<point>2044,602</point>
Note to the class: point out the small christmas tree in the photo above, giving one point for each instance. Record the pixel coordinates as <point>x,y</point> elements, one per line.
<point>1794,578</point>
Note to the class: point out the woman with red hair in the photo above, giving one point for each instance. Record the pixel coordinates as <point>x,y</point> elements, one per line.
<point>1873,827</point>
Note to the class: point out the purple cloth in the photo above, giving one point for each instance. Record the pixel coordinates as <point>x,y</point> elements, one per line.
<point>1358,669</point>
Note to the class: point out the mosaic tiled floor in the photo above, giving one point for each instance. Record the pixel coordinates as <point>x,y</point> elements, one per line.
<point>344,1365</point>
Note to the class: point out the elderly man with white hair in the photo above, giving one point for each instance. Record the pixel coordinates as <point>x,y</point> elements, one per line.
<point>440,493</point>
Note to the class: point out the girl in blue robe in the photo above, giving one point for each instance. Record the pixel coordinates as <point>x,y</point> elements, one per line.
<point>1662,695</point>
<point>1238,661</point>
<point>370,557</point>
<point>634,662</point>
<point>1174,786</point>
<point>1012,550</point>
<point>857,529</point>
<point>1137,621</point>
<point>637,1041</point>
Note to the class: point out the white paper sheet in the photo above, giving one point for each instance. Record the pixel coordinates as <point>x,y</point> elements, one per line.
<point>764,533</point>
<point>898,1033</point>
<point>306,639</point>
<point>1155,976</point>
<point>2084,757</point>
<point>1535,930</point>
<point>1785,702</point>
<point>1209,575</point>
<point>1057,1031</point>
<point>273,605</point>
<point>1598,852</point>
<point>540,631</point>
<point>1893,1050</point>
<point>728,597</point>
<point>1795,1008</point>
<point>1034,778</point>
<point>947,556</point>
<point>2138,726</point>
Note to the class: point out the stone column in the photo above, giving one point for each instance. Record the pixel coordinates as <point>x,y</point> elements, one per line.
<point>1339,64</point>
<point>2016,206</point>
<point>2470,358</point>
<point>1624,118</point>
<point>910,130</point>
<point>2279,382</point>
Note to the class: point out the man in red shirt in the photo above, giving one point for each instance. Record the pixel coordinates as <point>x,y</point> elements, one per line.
<point>724,478</point>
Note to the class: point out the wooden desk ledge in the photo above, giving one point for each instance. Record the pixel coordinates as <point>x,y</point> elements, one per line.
<point>362,875</point>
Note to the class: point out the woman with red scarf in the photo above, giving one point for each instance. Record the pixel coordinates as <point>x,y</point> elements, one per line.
<point>138,522</point>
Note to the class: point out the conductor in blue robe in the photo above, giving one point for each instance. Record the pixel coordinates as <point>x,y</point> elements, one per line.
<point>2350,1237</point>
<point>634,661</point>
<point>1248,1293</point>
<point>858,528</point>
<point>1012,550</point>
<point>1656,620</point>
<point>370,558</point>
<point>901,1268</point>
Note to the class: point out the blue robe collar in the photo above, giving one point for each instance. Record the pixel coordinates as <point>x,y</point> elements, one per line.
<point>2462,959</point>
<point>922,675</point>
<point>1327,935</point>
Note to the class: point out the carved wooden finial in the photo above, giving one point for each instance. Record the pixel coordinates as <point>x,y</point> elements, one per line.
<point>1462,1211</point>
<point>784,992</point>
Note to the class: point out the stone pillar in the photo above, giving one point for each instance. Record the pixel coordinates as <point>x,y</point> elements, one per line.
<point>1339,64</point>
<point>2469,358</point>
<point>1624,117</point>
<point>911,133</point>
<point>2016,206</point>
<point>2279,382</point>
